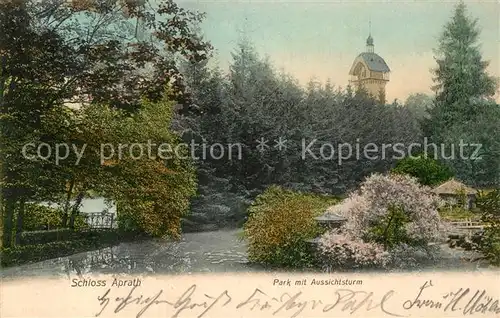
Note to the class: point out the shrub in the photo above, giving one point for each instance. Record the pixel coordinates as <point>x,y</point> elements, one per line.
<point>428,171</point>
<point>43,237</point>
<point>489,242</point>
<point>389,212</point>
<point>280,221</point>
<point>40,217</point>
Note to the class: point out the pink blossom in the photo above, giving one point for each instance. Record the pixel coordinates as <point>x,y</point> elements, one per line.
<point>343,249</point>
<point>372,202</point>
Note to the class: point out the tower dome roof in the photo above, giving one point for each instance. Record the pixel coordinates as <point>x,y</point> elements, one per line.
<point>373,61</point>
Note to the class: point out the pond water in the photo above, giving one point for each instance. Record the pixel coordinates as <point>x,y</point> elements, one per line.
<point>218,251</point>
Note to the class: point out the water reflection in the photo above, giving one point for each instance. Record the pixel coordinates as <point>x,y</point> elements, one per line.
<point>219,251</point>
<point>130,259</point>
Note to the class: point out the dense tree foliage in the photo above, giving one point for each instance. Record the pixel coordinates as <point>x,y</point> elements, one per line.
<point>479,163</point>
<point>254,101</point>
<point>464,102</point>
<point>53,53</point>
<point>460,76</point>
<point>420,104</point>
<point>489,245</point>
<point>152,185</point>
<point>428,171</point>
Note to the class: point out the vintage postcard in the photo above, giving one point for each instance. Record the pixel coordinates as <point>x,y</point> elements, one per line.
<point>182,158</point>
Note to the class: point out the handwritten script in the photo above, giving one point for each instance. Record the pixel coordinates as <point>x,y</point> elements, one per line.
<point>345,300</point>
<point>463,301</point>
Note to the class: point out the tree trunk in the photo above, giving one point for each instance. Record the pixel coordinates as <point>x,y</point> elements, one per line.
<point>8,216</point>
<point>20,220</point>
<point>68,203</point>
<point>75,209</point>
<point>384,235</point>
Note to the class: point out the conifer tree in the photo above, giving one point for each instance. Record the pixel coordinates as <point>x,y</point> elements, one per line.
<point>460,76</point>
<point>464,94</point>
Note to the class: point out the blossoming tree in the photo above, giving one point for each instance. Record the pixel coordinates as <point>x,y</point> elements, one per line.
<point>388,215</point>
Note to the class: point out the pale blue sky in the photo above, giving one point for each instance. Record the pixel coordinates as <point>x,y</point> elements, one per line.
<point>321,38</point>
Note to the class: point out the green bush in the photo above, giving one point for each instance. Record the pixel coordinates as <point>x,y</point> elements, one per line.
<point>489,243</point>
<point>40,217</point>
<point>280,221</point>
<point>428,171</point>
<point>44,237</point>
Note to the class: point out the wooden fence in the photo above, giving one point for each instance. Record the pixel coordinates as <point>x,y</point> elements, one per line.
<point>467,225</point>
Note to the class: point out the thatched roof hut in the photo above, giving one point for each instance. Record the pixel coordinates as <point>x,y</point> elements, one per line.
<point>453,187</point>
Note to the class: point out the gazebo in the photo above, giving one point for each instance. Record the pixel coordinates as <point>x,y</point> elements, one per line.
<point>329,221</point>
<point>452,190</point>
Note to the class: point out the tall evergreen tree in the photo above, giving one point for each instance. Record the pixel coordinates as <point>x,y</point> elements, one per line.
<point>460,76</point>
<point>464,94</point>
